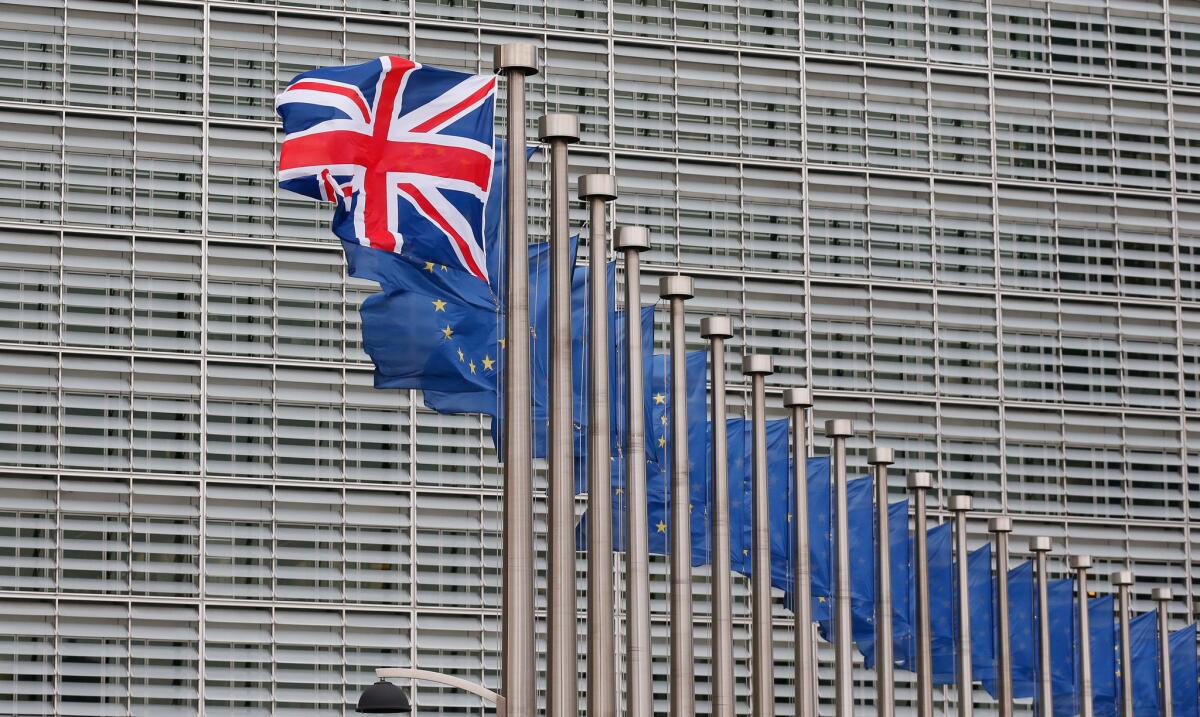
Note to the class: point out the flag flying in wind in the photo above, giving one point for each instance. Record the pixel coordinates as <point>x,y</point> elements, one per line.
<point>404,152</point>
<point>1183,672</point>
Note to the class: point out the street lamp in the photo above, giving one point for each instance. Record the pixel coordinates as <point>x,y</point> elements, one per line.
<point>383,697</point>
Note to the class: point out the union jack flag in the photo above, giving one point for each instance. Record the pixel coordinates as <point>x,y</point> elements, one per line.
<point>403,150</point>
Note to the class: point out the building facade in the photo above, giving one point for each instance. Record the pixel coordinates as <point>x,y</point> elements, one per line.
<point>971,226</point>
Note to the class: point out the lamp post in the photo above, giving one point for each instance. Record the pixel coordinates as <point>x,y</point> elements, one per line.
<point>383,697</point>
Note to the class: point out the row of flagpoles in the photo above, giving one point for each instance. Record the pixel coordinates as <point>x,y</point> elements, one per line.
<point>515,62</point>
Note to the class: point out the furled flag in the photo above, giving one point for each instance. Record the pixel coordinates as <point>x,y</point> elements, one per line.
<point>404,152</point>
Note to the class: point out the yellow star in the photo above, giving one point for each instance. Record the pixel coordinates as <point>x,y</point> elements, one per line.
<point>662,527</point>
<point>663,419</point>
<point>690,506</point>
<point>662,441</point>
<point>461,356</point>
<point>745,551</point>
<point>429,266</point>
<point>471,365</point>
<point>447,332</point>
<point>488,362</point>
<point>444,268</point>
<point>660,399</point>
<point>503,342</point>
<point>439,305</point>
<point>620,490</point>
<point>821,599</point>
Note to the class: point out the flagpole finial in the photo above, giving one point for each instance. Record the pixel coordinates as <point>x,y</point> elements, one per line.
<point>1040,544</point>
<point>1000,524</point>
<point>881,456</point>
<point>1079,562</point>
<point>598,186</point>
<point>960,503</point>
<point>716,327</point>
<point>1122,578</point>
<point>676,286</point>
<point>798,398</point>
<point>757,364</point>
<point>920,480</point>
<point>632,239</point>
<point>838,428</point>
<point>1161,594</point>
<point>519,56</point>
<point>558,125</point>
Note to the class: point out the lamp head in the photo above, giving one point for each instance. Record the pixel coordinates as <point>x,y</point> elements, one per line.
<point>383,697</point>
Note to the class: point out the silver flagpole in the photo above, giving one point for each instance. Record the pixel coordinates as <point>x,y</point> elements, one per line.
<point>632,241</point>
<point>562,698</point>
<point>1163,597</point>
<point>596,190</point>
<point>762,653</point>
<point>919,483</point>
<point>676,289</point>
<point>885,682</point>
<point>838,430</point>
<point>1122,579</point>
<point>1080,564</point>
<point>517,660</point>
<point>717,329</point>
<point>960,504</point>
<point>1039,546</point>
<point>799,400</point>
<point>1000,527</point>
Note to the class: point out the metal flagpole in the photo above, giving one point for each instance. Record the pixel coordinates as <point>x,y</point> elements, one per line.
<point>799,400</point>
<point>920,483</point>
<point>1122,579</point>
<point>838,430</point>
<point>596,190</point>
<point>1163,597</point>
<point>959,505</point>
<point>885,682</point>
<point>1039,546</point>
<point>1000,527</point>
<point>632,241</point>
<point>562,698</point>
<point>518,662</point>
<point>717,329</point>
<point>1080,564</point>
<point>676,289</point>
<point>762,653</point>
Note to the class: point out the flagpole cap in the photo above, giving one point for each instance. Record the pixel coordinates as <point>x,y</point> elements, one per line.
<point>920,480</point>
<point>881,455</point>
<point>838,428</point>
<point>1000,524</point>
<point>798,398</point>
<point>716,327</point>
<point>676,286</point>
<point>960,503</point>
<point>1122,578</point>
<point>1161,594</point>
<point>1040,544</point>
<point>558,125</point>
<point>519,56</point>
<point>757,365</point>
<point>1079,562</point>
<point>632,239</point>
<point>598,186</point>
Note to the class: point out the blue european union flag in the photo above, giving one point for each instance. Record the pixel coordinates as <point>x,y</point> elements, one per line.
<point>1143,653</point>
<point>981,596</point>
<point>1022,623</point>
<point>820,541</point>
<point>860,515</point>
<point>740,436</point>
<point>539,340</point>
<point>941,610</point>
<point>1182,644</point>
<point>1064,643</point>
<point>904,642</point>
<point>1103,638</point>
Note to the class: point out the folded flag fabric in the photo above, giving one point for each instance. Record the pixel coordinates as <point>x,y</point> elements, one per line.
<point>1143,654</point>
<point>1182,644</point>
